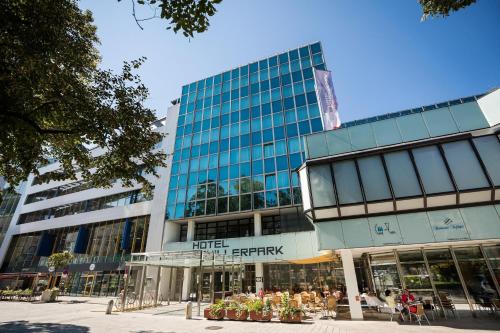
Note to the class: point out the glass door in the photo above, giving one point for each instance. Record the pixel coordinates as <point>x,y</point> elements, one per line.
<point>444,274</point>
<point>414,274</point>
<point>89,285</point>
<point>385,273</point>
<point>476,275</point>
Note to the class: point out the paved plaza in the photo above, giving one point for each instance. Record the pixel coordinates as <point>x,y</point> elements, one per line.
<point>79,314</point>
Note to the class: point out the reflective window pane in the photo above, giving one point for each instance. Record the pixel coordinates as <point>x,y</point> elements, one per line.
<point>464,165</point>
<point>489,150</point>
<point>402,175</point>
<point>432,170</point>
<point>347,182</point>
<point>321,182</point>
<point>373,178</point>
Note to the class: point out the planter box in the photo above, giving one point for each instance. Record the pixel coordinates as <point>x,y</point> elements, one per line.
<point>297,318</point>
<point>260,316</point>
<point>233,315</point>
<point>208,315</point>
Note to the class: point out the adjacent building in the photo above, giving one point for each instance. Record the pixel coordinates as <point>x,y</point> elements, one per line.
<point>101,227</point>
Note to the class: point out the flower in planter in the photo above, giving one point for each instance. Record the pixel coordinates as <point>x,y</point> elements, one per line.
<point>288,312</point>
<point>260,311</point>
<point>216,311</point>
<point>236,311</point>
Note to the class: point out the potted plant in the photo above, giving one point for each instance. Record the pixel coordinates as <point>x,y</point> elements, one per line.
<point>215,311</point>
<point>236,311</point>
<point>259,310</point>
<point>289,313</point>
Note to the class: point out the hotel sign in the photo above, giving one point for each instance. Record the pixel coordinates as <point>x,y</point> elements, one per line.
<point>282,247</point>
<point>222,246</point>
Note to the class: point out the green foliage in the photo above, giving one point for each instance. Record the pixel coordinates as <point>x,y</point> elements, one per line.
<point>59,260</point>
<point>287,310</point>
<point>188,16</point>
<point>217,308</point>
<point>255,305</point>
<point>268,307</point>
<point>56,103</point>
<point>442,7</point>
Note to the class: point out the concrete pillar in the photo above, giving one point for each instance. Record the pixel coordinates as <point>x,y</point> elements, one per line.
<point>190,231</point>
<point>257,224</point>
<point>351,285</point>
<point>259,276</point>
<point>186,283</point>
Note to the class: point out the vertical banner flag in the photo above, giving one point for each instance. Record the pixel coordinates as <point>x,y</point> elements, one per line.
<point>327,100</point>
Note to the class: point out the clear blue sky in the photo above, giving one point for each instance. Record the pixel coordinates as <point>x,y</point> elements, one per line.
<point>382,57</point>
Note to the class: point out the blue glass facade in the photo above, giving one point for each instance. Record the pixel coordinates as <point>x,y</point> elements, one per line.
<point>238,136</point>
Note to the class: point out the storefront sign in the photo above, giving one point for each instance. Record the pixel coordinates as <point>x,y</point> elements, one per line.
<point>92,267</point>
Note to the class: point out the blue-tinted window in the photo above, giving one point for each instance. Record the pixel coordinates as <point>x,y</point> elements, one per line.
<point>275,82</point>
<point>295,161</point>
<point>277,106</point>
<point>234,171</point>
<point>316,125</point>
<point>269,165</point>
<point>271,199</point>
<point>294,55</point>
<point>256,137</point>
<point>281,163</point>
<point>258,200</point>
<point>256,152</point>
<point>267,135</point>
<point>286,79</point>
<point>283,58</point>
<point>266,109</point>
<point>304,51</point>
<point>304,127</point>
<point>212,175</point>
<point>244,169</point>
<point>280,147</point>
<point>245,140</point>
<point>257,167</point>
<point>291,130</point>
<point>223,173</point>
<point>270,182</point>
<point>279,133</point>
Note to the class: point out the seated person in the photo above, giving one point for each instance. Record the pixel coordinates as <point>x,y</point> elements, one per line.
<point>390,303</point>
<point>407,298</point>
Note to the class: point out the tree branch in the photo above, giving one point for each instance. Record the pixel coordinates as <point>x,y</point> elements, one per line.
<point>35,125</point>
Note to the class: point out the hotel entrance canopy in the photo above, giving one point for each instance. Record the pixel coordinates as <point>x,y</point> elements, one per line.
<point>182,259</point>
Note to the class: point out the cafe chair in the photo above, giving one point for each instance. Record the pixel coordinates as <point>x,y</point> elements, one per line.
<point>419,314</point>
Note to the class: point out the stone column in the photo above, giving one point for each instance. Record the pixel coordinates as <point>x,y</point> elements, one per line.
<point>351,285</point>
<point>259,267</point>
<point>186,283</point>
<point>257,224</point>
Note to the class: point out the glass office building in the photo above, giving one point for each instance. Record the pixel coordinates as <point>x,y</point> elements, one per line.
<point>238,136</point>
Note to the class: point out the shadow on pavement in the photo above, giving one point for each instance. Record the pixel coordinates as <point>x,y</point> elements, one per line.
<point>26,326</point>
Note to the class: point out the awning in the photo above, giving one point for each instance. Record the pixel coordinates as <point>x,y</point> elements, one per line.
<point>314,260</point>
